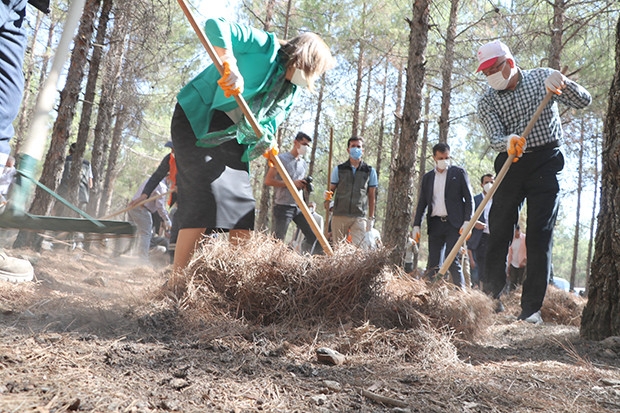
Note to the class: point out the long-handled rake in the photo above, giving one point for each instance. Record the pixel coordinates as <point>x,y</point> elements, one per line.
<point>15,214</point>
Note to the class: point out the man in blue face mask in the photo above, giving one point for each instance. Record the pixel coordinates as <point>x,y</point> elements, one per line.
<point>353,186</point>
<point>446,198</point>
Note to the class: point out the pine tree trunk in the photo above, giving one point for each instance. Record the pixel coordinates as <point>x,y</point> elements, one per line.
<point>446,73</point>
<point>382,122</point>
<point>400,194</point>
<point>89,97</point>
<point>423,145</point>
<point>355,116</point>
<point>557,30</point>
<point>601,316</point>
<point>573,270</point>
<point>112,170</point>
<point>593,216</point>
<point>317,124</point>
<point>366,102</point>
<point>109,83</point>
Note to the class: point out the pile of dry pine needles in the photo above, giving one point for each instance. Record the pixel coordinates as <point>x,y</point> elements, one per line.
<point>263,281</point>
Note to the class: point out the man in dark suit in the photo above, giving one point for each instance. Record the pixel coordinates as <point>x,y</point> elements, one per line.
<point>477,243</point>
<point>446,194</point>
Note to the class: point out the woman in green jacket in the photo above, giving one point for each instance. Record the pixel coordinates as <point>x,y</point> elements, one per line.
<point>214,143</point>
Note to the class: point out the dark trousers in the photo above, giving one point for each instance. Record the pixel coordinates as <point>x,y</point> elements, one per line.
<point>533,177</point>
<point>282,217</point>
<point>441,238</point>
<point>479,254</point>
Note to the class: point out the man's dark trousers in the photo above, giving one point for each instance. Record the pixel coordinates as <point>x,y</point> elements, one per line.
<point>442,236</point>
<point>533,177</point>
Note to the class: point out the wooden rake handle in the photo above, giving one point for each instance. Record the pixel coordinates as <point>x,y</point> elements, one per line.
<point>275,160</point>
<point>144,201</point>
<point>498,180</point>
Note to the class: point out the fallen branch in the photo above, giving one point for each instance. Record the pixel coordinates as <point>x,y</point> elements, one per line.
<point>383,399</point>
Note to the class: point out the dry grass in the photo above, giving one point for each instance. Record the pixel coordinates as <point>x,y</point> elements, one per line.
<point>265,282</point>
<point>562,307</point>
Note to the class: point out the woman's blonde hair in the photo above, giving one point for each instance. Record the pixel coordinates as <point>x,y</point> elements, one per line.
<point>309,53</point>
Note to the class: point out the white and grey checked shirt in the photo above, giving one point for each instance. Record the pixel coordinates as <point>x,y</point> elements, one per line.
<point>508,112</point>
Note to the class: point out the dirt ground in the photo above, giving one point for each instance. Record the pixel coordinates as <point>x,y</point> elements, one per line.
<point>90,335</point>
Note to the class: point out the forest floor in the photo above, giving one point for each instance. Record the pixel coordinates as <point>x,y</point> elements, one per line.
<point>93,334</point>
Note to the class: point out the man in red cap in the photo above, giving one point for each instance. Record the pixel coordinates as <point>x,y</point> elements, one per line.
<point>505,109</point>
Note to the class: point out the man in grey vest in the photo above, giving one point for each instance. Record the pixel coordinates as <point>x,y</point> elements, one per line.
<point>353,186</point>
<point>285,209</point>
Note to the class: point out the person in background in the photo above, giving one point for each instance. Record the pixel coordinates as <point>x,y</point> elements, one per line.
<point>477,243</point>
<point>353,186</point>
<point>446,198</point>
<point>167,169</point>
<point>214,143</point>
<point>84,186</point>
<point>6,177</point>
<point>517,259</point>
<point>285,209</point>
<point>299,238</point>
<point>504,110</point>
<point>141,217</point>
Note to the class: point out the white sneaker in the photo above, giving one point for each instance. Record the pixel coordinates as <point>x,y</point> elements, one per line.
<point>158,250</point>
<point>14,269</point>
<point>535,318</point>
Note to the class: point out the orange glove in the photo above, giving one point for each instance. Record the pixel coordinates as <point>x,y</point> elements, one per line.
<point>515,146</point>
<point>327,195</point>
<point>273,151</point>
<point>415,234</point>
<point>231,81</point>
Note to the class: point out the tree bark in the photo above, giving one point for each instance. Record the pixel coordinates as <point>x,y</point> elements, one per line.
<point>573,270</point>
<point>601,316</point>
<point>355,116</point>
<point>593,216</point>
<point>557,30</point>
<point>382,121</point>
<point>366,102</point>
<point>264,204</point>
<point>400,194</point>
<point>424,144</point>
<point>446,73</point>
<point>317,123</point>
<point>88,102</point>
<point>111,76</point>
<point>112,170</point>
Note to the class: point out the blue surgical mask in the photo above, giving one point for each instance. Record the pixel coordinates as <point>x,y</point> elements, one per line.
<point>356,153</point>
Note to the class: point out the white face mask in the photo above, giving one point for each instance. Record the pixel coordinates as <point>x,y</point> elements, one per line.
<point>299,78</point>
<point>442,164</point>
<point>487,187</point>
<point>497,81</point>
<point>302,150</point>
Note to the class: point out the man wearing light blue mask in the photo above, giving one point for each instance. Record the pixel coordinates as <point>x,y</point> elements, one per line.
<point>353,186</point>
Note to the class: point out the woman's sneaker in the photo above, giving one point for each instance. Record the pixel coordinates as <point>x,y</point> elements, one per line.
<point>14,269</point>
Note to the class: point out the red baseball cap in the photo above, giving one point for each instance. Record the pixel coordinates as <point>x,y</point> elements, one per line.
<point>490,52</point>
